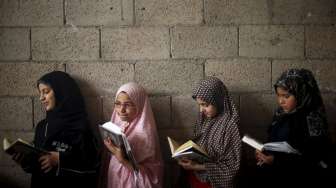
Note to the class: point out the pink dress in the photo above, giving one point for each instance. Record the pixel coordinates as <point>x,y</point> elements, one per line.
<point>142,135</point>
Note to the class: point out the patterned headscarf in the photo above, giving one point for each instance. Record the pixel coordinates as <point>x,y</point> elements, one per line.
<point>219,135</point>
<point>302,84</point>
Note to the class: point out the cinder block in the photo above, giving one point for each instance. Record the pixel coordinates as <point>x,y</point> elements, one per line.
<point>135,43</point>
<point>271,41</point>
<point>31,13</point>
<point>241,75</point>
<point>256,112</point>
<point>70,43</point>
<point>96,79</point>
<point>173,77</point>
<point>330,105</point>
<point>19,79</point>
<point>172,12</point>
<point>16,113</point>
<point>204,42</point>
<point>108,106</point>
<point>161,106</point>
<point>14,44</point>
<point>321,42</point>
<point>324,71</point>
<point>280,66</point>
<point>304,12</point>
<point>102,12</point>
<point>6,159</point>
<point>237,12</point>
<point>39,111</point>
<point>184,112</point>
<point>94,109</point>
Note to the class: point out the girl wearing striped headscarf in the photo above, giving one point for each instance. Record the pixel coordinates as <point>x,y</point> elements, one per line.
<point>216,131</point>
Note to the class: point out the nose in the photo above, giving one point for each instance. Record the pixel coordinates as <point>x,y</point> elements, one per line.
<point>201,109</point>
<point>281,100</point>
<point>123,108</point>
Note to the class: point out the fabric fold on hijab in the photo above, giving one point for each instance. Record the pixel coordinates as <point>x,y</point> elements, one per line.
<point>142,135</point>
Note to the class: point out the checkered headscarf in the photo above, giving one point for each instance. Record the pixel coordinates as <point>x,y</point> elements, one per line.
<point>219,135</point>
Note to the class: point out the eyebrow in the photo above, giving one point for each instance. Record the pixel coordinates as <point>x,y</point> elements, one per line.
<point>125,101</point>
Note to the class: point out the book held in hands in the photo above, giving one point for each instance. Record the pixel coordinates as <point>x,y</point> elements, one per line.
<point>23,147</point>
<point>113,131</point>
<point>270,146</point>
<point>188,150</point>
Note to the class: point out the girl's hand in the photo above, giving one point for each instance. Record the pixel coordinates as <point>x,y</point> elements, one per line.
<point>117,152</point>
<point>190,165</point>
<point>49,161</point>
<point>263,158</point>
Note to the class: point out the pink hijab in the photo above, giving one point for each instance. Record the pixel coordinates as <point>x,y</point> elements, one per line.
<point>142,135</point>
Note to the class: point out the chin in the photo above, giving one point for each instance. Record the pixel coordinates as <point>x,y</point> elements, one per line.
<point>124,119</point>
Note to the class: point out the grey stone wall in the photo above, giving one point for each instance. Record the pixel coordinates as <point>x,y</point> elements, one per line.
<point>167,46</point>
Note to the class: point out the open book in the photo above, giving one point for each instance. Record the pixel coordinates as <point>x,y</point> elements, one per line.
<point>119,139</point>
<point>271,146</point>
<point>23,147</point>
<point>189,150</point>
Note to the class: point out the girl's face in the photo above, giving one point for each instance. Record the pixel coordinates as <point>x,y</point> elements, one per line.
<point>47,96</point>
<point>286,100</point>
<point>125,108</point>
<point>207,109</point>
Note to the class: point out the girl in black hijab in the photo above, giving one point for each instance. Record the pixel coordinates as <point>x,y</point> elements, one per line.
<point>66,134</point>
<point>301,121</point>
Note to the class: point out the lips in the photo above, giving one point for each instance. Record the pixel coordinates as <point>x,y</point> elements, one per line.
<point>123,116</point>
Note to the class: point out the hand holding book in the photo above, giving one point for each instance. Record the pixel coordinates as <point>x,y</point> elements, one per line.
<point>117,152</point>
<point>190,164</point>
<point>189,150</point>
<point>22,150</point>
<point>116,141</point>
<point>271,146</point>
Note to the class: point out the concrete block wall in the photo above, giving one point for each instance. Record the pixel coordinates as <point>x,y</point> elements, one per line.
<point>167,46</point>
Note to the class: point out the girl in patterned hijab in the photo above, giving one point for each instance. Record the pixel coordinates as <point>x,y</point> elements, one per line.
<point>216,131</point>
<point>301,121</point>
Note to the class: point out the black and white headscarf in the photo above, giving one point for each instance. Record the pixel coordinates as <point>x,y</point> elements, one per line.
<point>219,135</point>
<point>302,84</point>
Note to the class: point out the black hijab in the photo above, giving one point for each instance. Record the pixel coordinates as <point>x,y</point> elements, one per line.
<point>302,84</point>
<point>69,112</point>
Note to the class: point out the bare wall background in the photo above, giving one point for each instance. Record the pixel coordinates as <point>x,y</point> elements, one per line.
<point>167,46</point>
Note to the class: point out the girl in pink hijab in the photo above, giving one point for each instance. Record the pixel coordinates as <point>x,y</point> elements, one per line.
<point>133,114</point>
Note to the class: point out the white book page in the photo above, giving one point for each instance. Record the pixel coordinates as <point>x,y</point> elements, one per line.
<point>252,142</point>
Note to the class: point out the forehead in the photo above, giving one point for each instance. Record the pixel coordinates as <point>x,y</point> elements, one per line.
<point>200,101</point>
<point>123,97</point>
<point>281,90</point>
<point>42,86</point>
